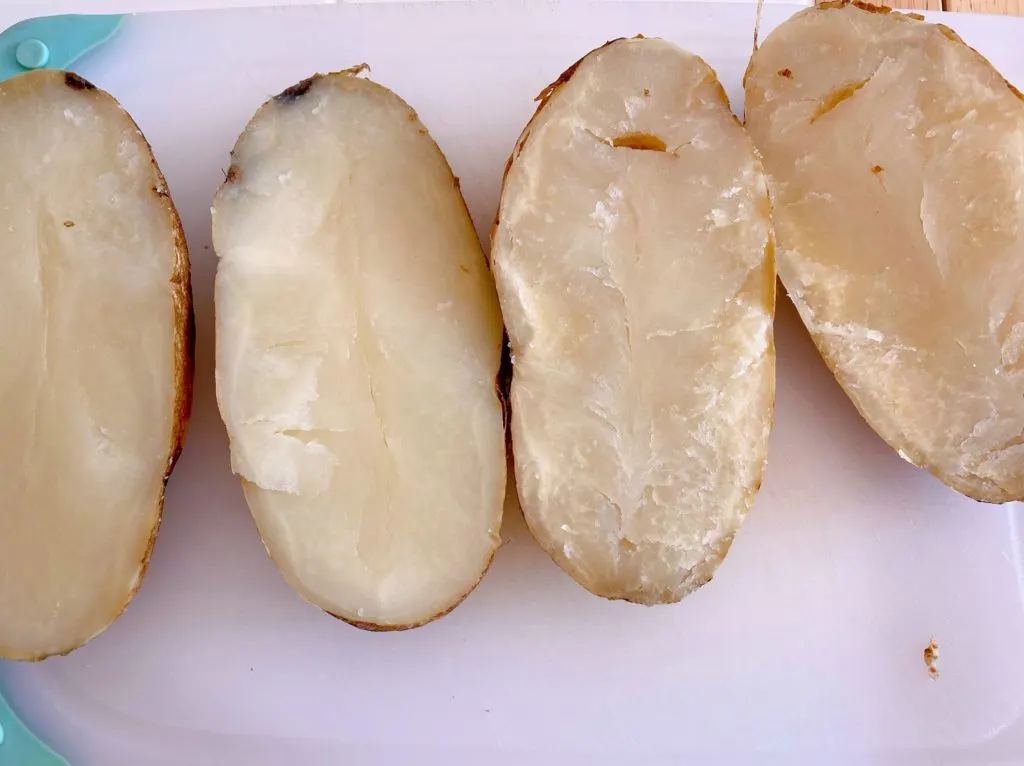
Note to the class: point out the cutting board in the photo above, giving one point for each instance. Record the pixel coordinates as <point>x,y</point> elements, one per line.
<point>807,646</point>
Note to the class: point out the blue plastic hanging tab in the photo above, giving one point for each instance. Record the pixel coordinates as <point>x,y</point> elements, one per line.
<point>52,42</point>
<point>19,746</point>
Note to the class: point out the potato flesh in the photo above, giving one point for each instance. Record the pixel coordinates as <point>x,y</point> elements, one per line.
<point>359,339</point>
<point>88,370</point>
<point>638,298</point>
<point>896,157</point>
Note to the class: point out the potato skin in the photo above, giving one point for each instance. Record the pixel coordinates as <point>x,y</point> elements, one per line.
<point>373,627</point>
<point>973,472</point>
<point>184,344</point>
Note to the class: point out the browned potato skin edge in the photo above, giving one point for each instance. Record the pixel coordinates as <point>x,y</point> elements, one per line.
<point>374,627</point>
<point>770,287</point>
<point>232,175</point>
<point>996,497</point>
<point>184,351</point>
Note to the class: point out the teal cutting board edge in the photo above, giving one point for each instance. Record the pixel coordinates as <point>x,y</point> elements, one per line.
<point>19,746</point>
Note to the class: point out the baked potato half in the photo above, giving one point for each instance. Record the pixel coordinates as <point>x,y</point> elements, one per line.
<point>896,160</point>
<point>95,360</point>
<point>633,259</point>
<point>358,346</point>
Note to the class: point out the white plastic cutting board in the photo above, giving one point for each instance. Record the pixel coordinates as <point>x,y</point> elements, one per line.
<point>806,648</point>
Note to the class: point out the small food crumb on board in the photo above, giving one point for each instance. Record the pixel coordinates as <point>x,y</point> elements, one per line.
<point>931,658</point>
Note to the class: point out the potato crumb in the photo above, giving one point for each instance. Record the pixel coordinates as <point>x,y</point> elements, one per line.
<point>931,658</point>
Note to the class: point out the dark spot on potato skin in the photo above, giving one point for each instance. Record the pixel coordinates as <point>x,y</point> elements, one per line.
<point>465,269</point>
<point>161,192</point>
<point>647,92</point>
<point>232,175</point>
<point>75,82</point>
<point>297,91</point>
<point>69,224</point>
<point>876,169</point>
<point>788,74</point>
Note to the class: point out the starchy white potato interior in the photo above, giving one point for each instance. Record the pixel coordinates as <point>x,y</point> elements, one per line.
<point>896,157</point>
<point>358,344</point>
<point>93,303</point>
<point>634,272</point>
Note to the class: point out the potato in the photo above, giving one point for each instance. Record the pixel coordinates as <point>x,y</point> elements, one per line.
<point>632,255</point>
<point>896,160</point>
<point>95,361</point>
<point>358,346</point>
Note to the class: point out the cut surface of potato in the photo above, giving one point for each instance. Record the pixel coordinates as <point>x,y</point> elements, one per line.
<point>896,163</point>
<point>95,361</point>
<point>633,262</point>
<point>358,345</point>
